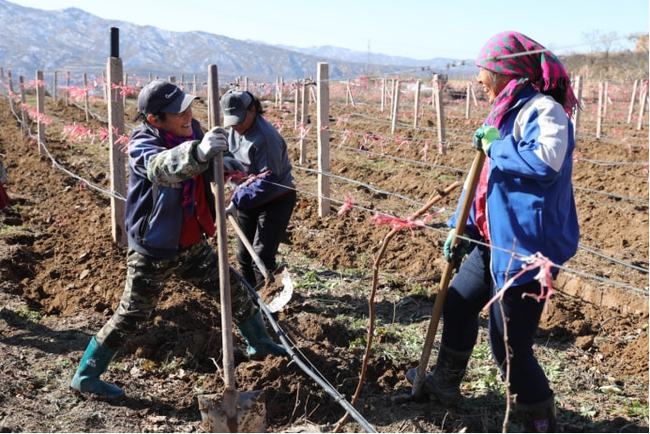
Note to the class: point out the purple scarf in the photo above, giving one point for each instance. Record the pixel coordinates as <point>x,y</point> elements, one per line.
<point>543,70</point>
<point>189,186</point>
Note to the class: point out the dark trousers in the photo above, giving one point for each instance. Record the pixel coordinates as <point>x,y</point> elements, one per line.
<point>264,227</point>
<point>468,292</point>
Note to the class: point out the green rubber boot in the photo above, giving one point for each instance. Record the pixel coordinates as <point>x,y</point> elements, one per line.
<point>259,342</point>
<point>93,364</point>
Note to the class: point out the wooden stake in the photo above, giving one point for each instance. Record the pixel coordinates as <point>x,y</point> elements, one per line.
<point>416,109</point>
<point>55,88</point>
<point>193,84</point>
<point>440,116</point>
<point>577,88</point>
<point>10,83</point>
<point>67,88</point>
<point>303,124</point>
<point>393,124</point>
<point>86,110</point>
<point>245,83</point>
<point>281,92</point>
<point>105,92</point>
<point>469,91</point>
<point>125,83</point>
<point>644,97</point>
<point>117,158</point>
<point>296,103</point>
<point>605,98</point>
<point>599,116</point>
<point>631,109</point>
<point>40,109</point>
<point>473,95</point>
<point>323,133</point>
<point>23,101</point>
<point>383,94</point>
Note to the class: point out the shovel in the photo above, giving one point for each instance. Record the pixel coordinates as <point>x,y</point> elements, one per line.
<point>470,189</point>
<point>234,411</point>
<point>287,282</point>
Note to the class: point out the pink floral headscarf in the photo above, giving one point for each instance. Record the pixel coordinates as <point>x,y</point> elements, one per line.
<point>537,66</point>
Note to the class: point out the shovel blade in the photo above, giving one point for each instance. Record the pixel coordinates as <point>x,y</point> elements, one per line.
<point>250,412</point>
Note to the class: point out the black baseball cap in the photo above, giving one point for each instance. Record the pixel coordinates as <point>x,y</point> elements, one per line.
<point>161,96</point>
<point>234,104</point>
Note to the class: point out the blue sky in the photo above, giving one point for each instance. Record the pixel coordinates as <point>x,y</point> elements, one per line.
<point>410,28</point>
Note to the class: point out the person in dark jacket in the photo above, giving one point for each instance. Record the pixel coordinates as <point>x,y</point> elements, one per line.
<point>264,203</point>
<point>524,203</point>
<point>169,217</point>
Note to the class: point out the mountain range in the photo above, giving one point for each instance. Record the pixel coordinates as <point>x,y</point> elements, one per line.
<point>75,40</point>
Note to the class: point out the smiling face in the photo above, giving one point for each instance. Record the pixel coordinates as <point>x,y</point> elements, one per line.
<point>179,124</point>
<point>492,83</point>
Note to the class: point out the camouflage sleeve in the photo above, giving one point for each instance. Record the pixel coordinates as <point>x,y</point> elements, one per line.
<point>175,165</point>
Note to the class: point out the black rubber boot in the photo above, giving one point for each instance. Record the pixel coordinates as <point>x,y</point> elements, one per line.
<point>443,383</point>
<point>539,417</point>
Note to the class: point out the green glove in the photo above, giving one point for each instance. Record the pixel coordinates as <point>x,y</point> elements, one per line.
<point>483,138</point>
<point>462,248</point>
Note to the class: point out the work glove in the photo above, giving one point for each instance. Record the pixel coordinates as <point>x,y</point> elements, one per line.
<point>231,165</point>
<point>231,209</point>
<point>483,138</point>
<point>213,142</point>
<point>462,248</point>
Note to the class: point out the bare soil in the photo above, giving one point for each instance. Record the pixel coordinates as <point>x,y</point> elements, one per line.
<point>61,278</point>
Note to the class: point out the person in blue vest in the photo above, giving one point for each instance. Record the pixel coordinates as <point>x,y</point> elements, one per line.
<point>524,203</point>
<point>169,217</point>
<point>264,203</point>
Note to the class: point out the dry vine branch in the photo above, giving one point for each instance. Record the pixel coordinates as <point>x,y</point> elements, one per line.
<point>371,298</point>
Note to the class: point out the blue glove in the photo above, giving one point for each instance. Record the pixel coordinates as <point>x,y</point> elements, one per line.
<point>462,248</point>
<point>483,138</point>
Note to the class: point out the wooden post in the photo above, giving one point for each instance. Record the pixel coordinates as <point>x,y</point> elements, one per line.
<point>440,116</point>
<point>467,97</point>
<point>86,110</point>
<point>323,139</point>
<point>10,83</point>
<point>599,116</point>
<point>149,78</point>
<point>631,109</point>
<point>23,101</point>
<point>281,91</point>
<point>644,97</point>
<point>67,88</point>
<point>605,98</point>
<point>245,83</point>
<point>117,158</point>
<point>383,94</point>
<point>416,109</point>
<point>277,92</point>
<point>182,83</point>
<point>194,84</point>
<point>303,124</point>
<point>55,93</point>
<point>296,104</point>
<point>347,92</point>
<point>125,83</point>
<point>40,109</point>
<point>473,95</point>
<point>577,88</point>
<point>312,95</point>
<point>393,124</point>
<point>105,88</point>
